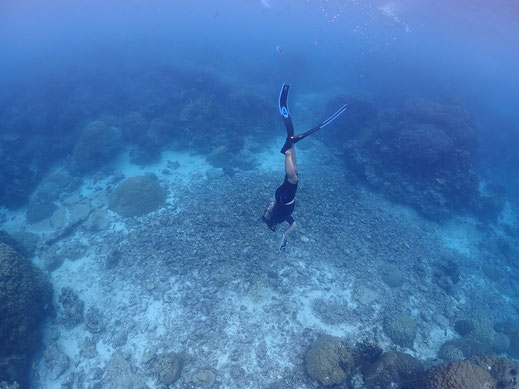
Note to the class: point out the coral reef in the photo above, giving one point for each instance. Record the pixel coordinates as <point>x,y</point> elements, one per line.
<point>222,157</point>
<point>27,242</point>
<point>451,351</point>
<point>463,326</point>
<point>120,373</point>
<point>137,196</point>
<point>358,118</point>
<point>401,329</point>
<point>133,126</point>
<point>167,367</point>
<point>446,274</point>
<point>462,348</point>
<point>422,149</point>
<point>500,343</point>
<point>25,299</point>
<point>56,360</point>
<point>72,307</point>
<point>484,373</point>
<point>182,109</point>
<point>511,330</point>
<point>478,338</point>
<point>204,378</point>
<point>9,240</point>
<point>94,320</point>
<point>450,116</point>
<point>423,156</point>
<point>391,275</point>
<point>97,145</point>
<point>330,312</point>
<point>458,375</point>
<point>365,353</point>
<point>169,270</point>
<point>147,139</point>
<point>18,177</point>
<point>7,385</point>
<point>481,329</point>
<point>55,184</point>
<point>392,370</point>
<point>329,361</point>
<point>39,209</point>
<point>505,371</point>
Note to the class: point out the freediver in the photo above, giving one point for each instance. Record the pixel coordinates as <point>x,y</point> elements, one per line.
<point>281,209</point>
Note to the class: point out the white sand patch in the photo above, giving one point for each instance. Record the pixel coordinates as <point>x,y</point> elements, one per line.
<point>308,318</point>
<point>117,224</point>
<point>81,275</point>
<point>14,219</point>
<point>105,352</point>
<point>428,348</point>
<point>460,234</point>
<point>508,216</point>
<point>190,167</point>
<point>155,314</point>
<point>271,159</point>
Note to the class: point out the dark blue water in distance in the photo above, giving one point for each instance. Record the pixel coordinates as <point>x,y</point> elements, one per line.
<point>139,145</point>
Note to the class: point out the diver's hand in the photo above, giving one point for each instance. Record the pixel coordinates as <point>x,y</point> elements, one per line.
<point>283,245</point>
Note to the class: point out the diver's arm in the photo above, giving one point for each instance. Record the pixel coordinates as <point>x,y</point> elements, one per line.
<point>283,245</point>
<point>291,228</point>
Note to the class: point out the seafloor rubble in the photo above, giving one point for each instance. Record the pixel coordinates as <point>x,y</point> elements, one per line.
<point>165,277</point>
<point>196,293</point>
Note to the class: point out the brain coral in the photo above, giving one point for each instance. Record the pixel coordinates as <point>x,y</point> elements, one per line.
<point>168,367</point>
<point>511,330</point>
<point>393,369</point>
<point>25,296</point>
<point>458,375</point>
<point>504,370</point>
<point>462,348</point>
<point>401,328</point>
<point>423,146</point>
<point>481,329</point>
<point>7,239</point>
<point>329,361</point>
<point>137,196</point>
<point>134,126</point>
<point>97,144</point>
<point>450,116</point>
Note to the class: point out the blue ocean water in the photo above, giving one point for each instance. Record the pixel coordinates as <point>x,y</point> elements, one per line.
<point>140,148</point>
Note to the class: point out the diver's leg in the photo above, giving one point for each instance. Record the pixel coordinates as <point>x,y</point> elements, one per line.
<point>294,159</point>
<point>290,165</point>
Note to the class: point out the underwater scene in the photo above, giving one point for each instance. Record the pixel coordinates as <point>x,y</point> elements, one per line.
<point>259,194</point>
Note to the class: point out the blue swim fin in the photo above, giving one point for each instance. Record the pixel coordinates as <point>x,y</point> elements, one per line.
<point>285,114</point>
<point>339,112</point>
<point>284,111</point>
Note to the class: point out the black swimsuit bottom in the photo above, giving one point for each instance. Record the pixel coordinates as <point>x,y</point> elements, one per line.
<point>284,195</point>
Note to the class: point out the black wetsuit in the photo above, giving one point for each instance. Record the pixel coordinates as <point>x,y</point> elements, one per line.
<point>282,211</point>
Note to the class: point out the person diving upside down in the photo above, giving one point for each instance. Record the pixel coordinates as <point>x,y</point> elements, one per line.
<point>281,210</point>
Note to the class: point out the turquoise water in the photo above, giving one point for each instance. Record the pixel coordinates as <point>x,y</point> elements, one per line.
<point>140,147</point>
